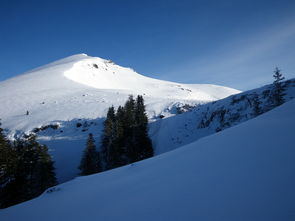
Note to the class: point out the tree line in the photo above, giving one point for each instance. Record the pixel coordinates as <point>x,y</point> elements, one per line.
<point>26,170</point>
<point>124,139</point>
<point>276,95</point>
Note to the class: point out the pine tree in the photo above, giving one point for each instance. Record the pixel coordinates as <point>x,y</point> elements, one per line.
<point>256,105</point>
<point>143,143</point>
<point>36,165</point>
<point>118,150</point>
<point>278,91</point>
<point>107,139</point>
<point>8,161</point>
<point>90,163</point>
<point>129,114</point>
<point>45,169</point>
<point>129,129</point>
<point>32,172</point>
<point>125,136</point>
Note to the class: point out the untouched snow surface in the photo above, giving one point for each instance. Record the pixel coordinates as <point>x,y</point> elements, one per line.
<point>80,89</point>
<point>203,120</point>
<point>81,86</point>
<point>243,173</point>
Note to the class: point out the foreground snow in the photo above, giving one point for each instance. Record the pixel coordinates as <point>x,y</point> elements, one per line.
<point>243,173</point>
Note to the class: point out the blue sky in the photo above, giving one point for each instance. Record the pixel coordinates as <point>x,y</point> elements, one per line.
<point>229,42</point>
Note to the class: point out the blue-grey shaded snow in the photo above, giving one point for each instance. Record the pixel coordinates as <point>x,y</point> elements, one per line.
<point>242,173</point>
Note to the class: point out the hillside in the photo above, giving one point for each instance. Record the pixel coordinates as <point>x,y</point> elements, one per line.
<point>207,119</point>
<point>243,173</point>
<point>67,99</point>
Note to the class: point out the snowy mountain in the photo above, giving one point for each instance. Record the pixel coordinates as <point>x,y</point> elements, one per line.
<point>245,172</point>
<point>65,100</point>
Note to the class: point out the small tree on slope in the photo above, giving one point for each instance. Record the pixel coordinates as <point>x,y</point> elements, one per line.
<point>256,106</point>
<point>90,162</point>
<point>278,91</point>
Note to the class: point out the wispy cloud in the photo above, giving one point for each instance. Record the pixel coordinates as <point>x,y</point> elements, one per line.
<point>246,62</point>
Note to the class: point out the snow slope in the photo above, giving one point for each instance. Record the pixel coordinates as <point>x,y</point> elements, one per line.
<point>81,86</point>
<point>80,89</point>
<point>243,173</point>
<point>203,120</point>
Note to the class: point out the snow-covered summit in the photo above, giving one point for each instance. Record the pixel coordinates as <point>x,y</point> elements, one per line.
<point>67,82</point>
<point>104,74</point>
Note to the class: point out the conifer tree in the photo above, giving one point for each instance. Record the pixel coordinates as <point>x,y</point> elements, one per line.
<point>8,160</point>
<point>107,139</point>
<point>129,129</point>
<point>32,173</point>
<point>90,163</point>
<point>118,150</point>
<point>129,114</point>
<point>278,91</point>
<point>125,136</point>
<point>36,165</point>
<point>256,105</point>
<point>143,143</point>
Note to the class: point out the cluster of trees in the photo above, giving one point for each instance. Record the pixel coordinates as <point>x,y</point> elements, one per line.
<point>26,170</point>
<point>124,140</point>
<point>276,95</point>
<point>259,102</point>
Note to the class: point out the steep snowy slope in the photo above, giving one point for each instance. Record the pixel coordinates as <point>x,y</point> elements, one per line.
<point>243,173</point>
<point>207,119</point>
<point>79,90</point>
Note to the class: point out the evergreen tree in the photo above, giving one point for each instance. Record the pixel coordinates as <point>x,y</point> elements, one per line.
<point>125,136</point>
<point>256,105</point>
<point>32,172</point>
<point>129,129</point>
<point>118,151</point>
<point>143,143</point>
<point>90,162</point>
<point>107,139</point>
<point>35,167</point>
<point>8,160</point>
<point>129,114</point>
<point>278,90</point>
